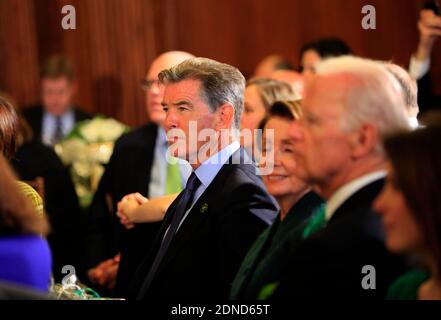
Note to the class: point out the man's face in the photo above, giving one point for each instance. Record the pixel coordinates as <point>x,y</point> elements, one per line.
<point>154,93</point>
<point>57,95</point>
<point>321,148</point>
<point>185,108</point>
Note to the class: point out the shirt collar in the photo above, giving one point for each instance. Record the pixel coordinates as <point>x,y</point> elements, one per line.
<point>161,137</point>
<point>67,114</point>
<point>211,167</point>
<point>346,191</point>
<point>413,122</point>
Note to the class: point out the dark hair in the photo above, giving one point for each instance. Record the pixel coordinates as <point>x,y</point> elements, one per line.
<point>8,129</point>
<point>220,82</point>
<point>287,109</point>
<point>57,66</point>
<point>416,161</point>
<point>17,214</point>
<point>327,47</point>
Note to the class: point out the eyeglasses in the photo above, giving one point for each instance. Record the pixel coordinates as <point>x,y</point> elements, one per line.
<point>147,84</point>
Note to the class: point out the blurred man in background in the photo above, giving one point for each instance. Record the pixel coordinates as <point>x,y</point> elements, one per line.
<point>57,115</point>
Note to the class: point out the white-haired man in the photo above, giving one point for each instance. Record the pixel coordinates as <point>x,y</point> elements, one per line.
<point>348,105</point>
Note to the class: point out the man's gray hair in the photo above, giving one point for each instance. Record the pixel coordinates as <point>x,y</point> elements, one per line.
<point>220,82</point>
<point>374,95</point>
<point>408,85</point>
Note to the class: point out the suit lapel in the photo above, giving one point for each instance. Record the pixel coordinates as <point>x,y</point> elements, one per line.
<point>362,198</point>
<point>199,212</point>
<point>194,218</point>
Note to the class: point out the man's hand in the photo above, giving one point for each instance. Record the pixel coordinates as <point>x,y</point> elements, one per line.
<point>127,205</point>
<point>105,273</point>
<point>429,26</point>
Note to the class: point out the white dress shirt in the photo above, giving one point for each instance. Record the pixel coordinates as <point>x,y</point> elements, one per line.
<point>418,68</point>
<point>49,125</point>
<point>209,169</point>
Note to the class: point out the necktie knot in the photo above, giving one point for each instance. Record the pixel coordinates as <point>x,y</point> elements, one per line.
<point>193,183</point>
<point>58,132</point>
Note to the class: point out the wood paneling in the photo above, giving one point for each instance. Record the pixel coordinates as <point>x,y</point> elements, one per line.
<point>116,40</point>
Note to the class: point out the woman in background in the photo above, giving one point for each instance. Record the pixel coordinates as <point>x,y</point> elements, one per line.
<point>259,95</point>
<point>266,258</point>
<point>410,205</point>
<point>25,257</point>
<point>39,164</point>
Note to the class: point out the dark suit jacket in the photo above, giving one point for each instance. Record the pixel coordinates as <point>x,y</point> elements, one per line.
<point>208,248</point>
<point>328,264</point>
<point>128,171</point>
<point>34,116</point>
<point>427,99</point>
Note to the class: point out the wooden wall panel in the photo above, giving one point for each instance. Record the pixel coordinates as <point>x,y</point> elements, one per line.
<point>116,40</point>
<point>18,50</point>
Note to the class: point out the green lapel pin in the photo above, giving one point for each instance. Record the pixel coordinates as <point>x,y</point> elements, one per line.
<point>204,208</point>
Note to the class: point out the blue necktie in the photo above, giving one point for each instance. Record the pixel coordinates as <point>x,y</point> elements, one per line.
<point>58,132</point>
<point>184,203</point>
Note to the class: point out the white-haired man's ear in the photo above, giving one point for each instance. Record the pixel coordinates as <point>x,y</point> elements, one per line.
<point>363,140</point>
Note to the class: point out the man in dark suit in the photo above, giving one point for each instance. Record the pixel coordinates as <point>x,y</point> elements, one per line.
<point>56,116</point>
<point>136,165</point>
<point>208,229</point>
<point>348,105</point>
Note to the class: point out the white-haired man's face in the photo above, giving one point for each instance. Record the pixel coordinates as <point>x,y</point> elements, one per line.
<point>321,148</point>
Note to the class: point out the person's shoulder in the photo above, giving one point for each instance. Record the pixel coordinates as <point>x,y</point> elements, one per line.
<point>81,115</point>
<point>32,111</point>
<point>406,286</point>
<point>137,137</point>
<point>240,168</point>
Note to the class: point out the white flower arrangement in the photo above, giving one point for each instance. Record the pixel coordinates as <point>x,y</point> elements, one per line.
<point>86,150</point>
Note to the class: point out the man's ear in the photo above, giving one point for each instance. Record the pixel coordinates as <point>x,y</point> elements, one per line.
<point>225,116</point>
<point>363,140</point>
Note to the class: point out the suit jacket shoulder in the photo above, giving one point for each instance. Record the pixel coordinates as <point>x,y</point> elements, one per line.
<point>81,115</point>
<point>329,263</point>
<point>34,116</point>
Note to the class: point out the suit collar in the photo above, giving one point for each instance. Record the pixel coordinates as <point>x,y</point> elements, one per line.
<point>361,199</point>
<point>208,170</point>
<point>350,188</point>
